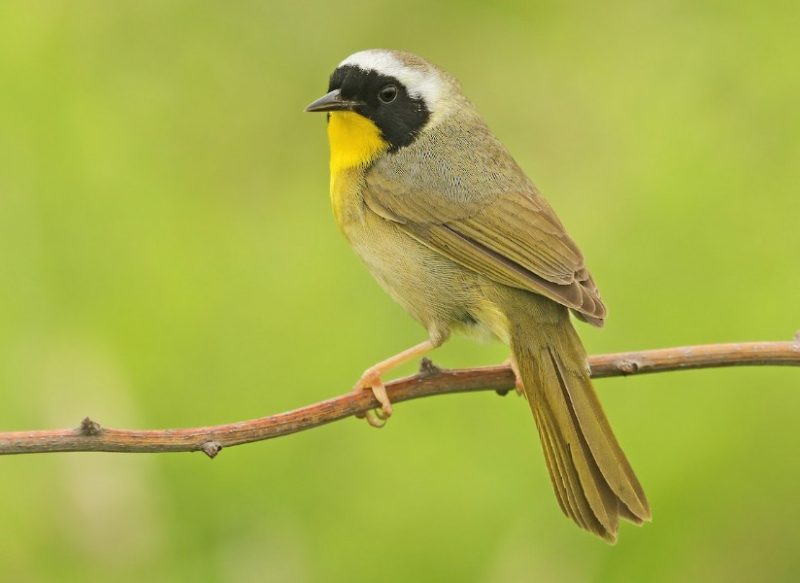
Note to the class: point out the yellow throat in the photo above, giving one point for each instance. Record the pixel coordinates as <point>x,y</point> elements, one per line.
<point>355,141</point>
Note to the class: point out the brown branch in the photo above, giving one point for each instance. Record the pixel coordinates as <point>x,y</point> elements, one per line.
<point>90,436</point>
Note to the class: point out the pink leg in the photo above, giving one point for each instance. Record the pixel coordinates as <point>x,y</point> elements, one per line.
<point>371,379</point>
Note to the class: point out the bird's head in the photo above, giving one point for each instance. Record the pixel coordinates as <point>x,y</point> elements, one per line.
<point>379,101</point>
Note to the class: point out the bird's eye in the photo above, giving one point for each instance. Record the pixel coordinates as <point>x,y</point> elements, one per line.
<point>387,94</point>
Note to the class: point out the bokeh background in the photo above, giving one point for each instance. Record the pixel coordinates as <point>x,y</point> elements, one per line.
<point>168,258</point>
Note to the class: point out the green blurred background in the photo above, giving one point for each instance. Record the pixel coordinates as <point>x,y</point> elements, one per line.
<point>168,258</point>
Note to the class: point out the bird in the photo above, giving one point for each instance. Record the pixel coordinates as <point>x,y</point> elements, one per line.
<point>453,230</point>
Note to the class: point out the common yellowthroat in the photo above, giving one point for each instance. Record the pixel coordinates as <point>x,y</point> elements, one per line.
<point>450,226</point>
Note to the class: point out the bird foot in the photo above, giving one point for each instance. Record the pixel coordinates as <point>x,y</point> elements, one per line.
<point>517,379</point>
<point>371,380</point>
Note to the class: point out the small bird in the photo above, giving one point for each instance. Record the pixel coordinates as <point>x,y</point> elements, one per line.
<point>454,231</point>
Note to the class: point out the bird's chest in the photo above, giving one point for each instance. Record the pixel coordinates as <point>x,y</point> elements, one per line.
<point>385,249</point>
<point>429,286</point>
<point>347,201</point>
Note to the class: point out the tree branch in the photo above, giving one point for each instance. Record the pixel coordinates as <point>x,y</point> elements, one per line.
<point>90,436</point>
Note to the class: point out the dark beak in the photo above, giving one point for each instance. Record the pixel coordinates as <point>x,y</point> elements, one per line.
<point>333,101</point>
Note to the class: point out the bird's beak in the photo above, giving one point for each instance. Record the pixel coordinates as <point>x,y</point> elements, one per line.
<point>333,101</point>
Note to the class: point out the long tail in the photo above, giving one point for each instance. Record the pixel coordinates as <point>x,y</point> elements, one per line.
<point>593,481</point>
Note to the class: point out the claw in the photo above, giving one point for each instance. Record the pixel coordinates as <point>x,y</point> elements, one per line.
<point>371,380</point>
<point>375,418</point>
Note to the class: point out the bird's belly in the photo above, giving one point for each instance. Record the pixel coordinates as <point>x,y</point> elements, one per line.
<point>440,294</point>
<point>437,292</point>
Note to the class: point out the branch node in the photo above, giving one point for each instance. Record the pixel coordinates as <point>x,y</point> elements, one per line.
<point>427,368</point>
<point>628,367</point>
<point>502,392</point>
<point>211,448</point>
<point>90,428</point>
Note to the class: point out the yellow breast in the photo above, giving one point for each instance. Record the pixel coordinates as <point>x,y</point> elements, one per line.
<point>355,141</point>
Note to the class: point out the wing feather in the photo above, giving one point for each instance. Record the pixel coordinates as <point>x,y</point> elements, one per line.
<point>515,240</point>
<point>493,221</point>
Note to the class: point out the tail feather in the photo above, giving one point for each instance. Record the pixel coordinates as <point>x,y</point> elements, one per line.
<point>563,481</point>
<point>593,481</point>
<point>580,508</point>
<point>588,483</point>
<point>555,468</point>
<point>605,448</point>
